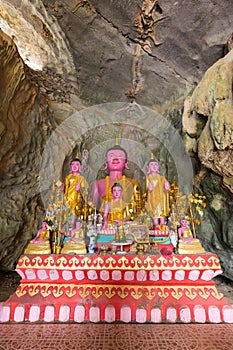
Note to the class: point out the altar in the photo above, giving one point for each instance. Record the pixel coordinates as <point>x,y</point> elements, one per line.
<point>120,257</point>
<point>117,288</point>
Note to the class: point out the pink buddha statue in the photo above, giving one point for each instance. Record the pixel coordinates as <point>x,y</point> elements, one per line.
<point>116,162</point>
<point>187,243</point>
<point>157,187</point>
<point>116,209</point>
<point>76,188</point>
<point>41,243</point>
<point>184,232</point>
<point>74,241</point>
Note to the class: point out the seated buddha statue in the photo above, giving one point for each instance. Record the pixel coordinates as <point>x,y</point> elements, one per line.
<point>76,189</point>
<point>74,241</point>
<point>41,243</point>
<point>157,187</point>
<point>187,244</point>
<point>116,162</point>
<point>115,209</point>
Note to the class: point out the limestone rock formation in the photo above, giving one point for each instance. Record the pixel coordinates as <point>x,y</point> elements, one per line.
<point>208,117</point>
<point>24,129</point>
<point>208,125</point>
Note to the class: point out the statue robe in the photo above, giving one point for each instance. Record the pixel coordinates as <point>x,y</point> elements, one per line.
<point>157,203</point>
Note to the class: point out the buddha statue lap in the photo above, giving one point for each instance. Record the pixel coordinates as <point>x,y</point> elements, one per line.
<point>74,241</point>
<point>41,243</point>
<point>188,244</point>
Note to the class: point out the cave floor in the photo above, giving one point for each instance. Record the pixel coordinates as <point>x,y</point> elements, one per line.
<point>114,336</point>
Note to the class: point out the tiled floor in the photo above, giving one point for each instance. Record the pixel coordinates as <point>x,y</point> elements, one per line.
<point>116,336</point>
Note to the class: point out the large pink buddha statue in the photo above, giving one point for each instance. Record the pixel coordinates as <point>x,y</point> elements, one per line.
<point>116,162</point>
<point>157,187</point>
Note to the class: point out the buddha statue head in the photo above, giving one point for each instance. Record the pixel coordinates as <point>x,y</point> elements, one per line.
<point>44,224</point>
<point>75,166</point>
<point>117,191</point>
<point>153,167</point>
<point>183,222</point>
<point>116,159</point>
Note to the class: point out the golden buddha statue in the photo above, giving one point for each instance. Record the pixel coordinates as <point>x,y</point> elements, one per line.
<point>115,209</point>
<point>76,189</point>
<point>188,244</point>
<point>157,187</point>
<point>74,241</point>
<point>41,243</point>
<point>116,162</point>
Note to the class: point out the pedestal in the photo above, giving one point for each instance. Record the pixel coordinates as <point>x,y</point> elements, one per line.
<point>128,288</point>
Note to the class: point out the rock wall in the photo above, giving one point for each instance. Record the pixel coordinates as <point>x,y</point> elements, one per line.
<point>23,132</point>
<point>208,135</point>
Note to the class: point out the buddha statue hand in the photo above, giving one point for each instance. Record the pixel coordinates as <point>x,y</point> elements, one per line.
<point>77,186</point>
<point>37,241</point>
<point>76,239</point>
<point>150,186</point>
<point>187,239</point>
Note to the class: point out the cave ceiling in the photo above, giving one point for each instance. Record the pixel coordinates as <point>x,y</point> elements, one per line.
<point>91,46</point>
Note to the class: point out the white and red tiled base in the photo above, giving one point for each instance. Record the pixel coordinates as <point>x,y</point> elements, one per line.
<point>129,288</point>
<point>79,314</point>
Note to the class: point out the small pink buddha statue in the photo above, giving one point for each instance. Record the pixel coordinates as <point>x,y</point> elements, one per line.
<point>41,243</point>
<point>184,232</point>
<point>187,243</point>
<point>76,188</point>
<point>157,187</point>
<point>42,234</point>
<point>74,241</point>
<point>116,162</point>
<point>116,209</point>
